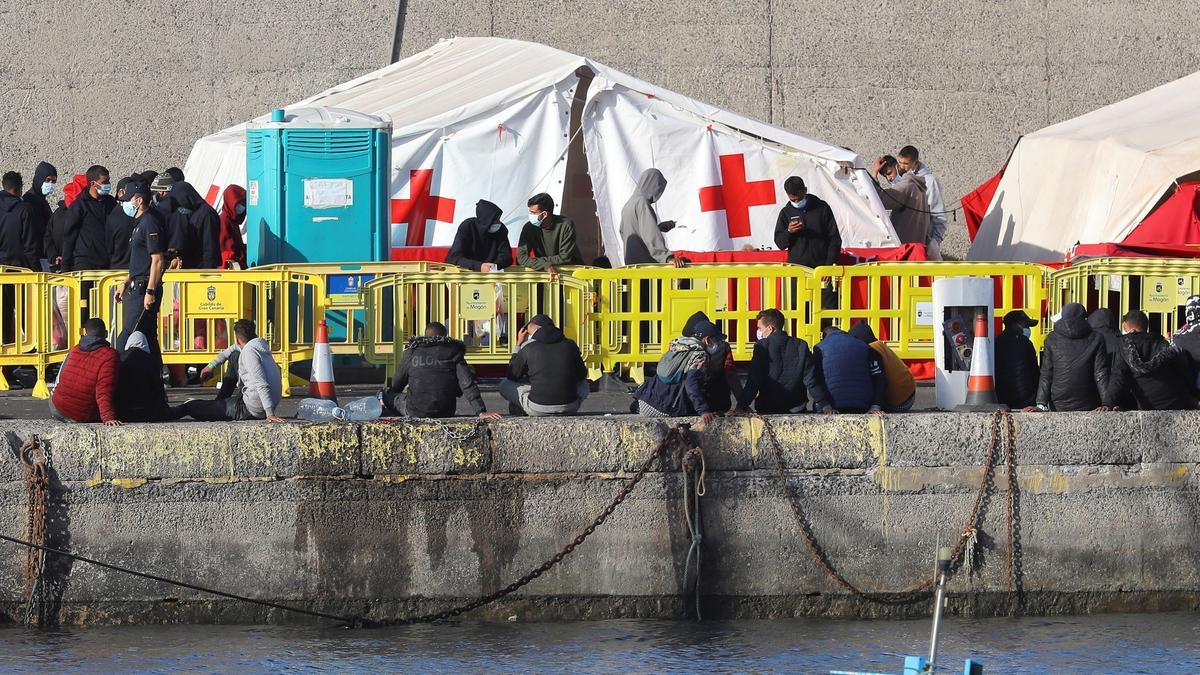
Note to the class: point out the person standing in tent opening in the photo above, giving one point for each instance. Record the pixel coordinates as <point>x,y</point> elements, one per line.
<point>549,237</point>
<point>233,214</point>
<point>904,197</point>
<point>640,229</point>
<point>909,161</point>
<point>806,228</point>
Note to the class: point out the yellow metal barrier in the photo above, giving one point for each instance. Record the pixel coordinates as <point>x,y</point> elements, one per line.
<point>1156,286</point>
<point>486,310</point>
<point>199,308</point>
<point>32,332</point>
<point>896,299</point>
<point>641,308</point>
<point>341,283</point>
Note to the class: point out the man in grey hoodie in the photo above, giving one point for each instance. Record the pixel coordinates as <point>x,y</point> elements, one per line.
<point>640,229</point>
<point>905,196</point>
<point>259,383</point>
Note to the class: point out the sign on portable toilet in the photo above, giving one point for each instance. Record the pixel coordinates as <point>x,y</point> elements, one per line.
<point>962,307</point>
<point>318,187</point>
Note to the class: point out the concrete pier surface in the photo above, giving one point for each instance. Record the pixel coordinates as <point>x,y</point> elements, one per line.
<point>391,519</point>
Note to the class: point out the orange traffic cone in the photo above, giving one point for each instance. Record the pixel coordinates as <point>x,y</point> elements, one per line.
<point>320,384</point>
<point>981,383</point>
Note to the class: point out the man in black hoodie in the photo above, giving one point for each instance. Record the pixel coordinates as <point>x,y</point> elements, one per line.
<point>434,369</point>
<point>203,249</point>
<point>84,244</point>
<point>806,228</point>
<point>1164,386</point>
<point>1075,366</point>
<point>1104,324</point>
<point>45,177</point>
<point>481,243</point>
<point>18,246</point>
<point>546,376</point>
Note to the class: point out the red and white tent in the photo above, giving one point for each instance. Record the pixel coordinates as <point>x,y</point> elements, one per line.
<point>1099,179</point>
<point>497,119</point>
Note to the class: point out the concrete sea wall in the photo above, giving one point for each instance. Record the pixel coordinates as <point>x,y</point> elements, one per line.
<point>394,519</point>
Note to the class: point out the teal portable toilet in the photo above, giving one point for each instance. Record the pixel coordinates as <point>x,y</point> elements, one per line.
<point>318,185</point>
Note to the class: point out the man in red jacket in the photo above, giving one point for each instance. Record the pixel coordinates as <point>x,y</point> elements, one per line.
<point>87,380</point>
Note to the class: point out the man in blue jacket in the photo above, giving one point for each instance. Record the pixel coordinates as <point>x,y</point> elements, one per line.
<point>852,372</point>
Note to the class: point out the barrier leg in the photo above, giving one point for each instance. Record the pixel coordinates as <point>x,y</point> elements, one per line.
<point>3,381</point>
<point>40,389</point>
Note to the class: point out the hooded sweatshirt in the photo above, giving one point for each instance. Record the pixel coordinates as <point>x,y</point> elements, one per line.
<point>39,207</point>
<point>552,365</point>
<point>1105,325</point>
<point>203,247</point>
<point>906,199</point>
<point>233,246</point>
<point>934,202</point>
<point>901,385</point>
<point>435,372</point>
<point>87,381</point>
<point>1166,387</point>
<point>85,246</point>
<point>474,245</point>
<point>677,388</point>
<point>58,220</point>
<point>1075,365</point>
<point>140,395</point>
<point>18,246</point>
<point>644,242</point>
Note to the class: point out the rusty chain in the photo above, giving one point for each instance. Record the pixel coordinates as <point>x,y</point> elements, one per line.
<point>922,589</point>
<point>676,436</point>
<point>36,481</point>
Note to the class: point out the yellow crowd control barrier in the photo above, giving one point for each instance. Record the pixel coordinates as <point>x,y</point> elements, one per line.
<point>1157,286</point>
<point>641,308</point>
<point>486,310</point>
<point>199,308</point>
<point>39,321</point>
<point>896,299</point>
<point>341,283</point>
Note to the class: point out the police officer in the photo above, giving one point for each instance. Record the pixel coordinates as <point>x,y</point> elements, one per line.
<point>140,295</point>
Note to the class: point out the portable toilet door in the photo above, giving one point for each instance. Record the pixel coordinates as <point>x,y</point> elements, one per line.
<point>327,171</point>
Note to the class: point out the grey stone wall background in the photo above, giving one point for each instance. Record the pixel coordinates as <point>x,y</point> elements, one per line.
<point>133,85</point>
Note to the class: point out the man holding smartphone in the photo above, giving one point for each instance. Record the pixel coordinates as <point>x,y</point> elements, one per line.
<point>806,227</point>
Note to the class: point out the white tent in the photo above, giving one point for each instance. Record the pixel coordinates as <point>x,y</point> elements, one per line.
<point>1092,179</point>
<point>490,118</point>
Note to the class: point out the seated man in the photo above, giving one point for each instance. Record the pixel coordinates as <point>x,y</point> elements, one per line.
<point>549,237</point>
<point>851,371</point>
<point>87,380</point>
<point>721,380</point>
<point>901,386</point>
<point>1164,386</point>
<point>546,376</point>
<point>783,372</point>
<point>1016,362</point>
<point>140,393</point>
<point>1075,366</point>
<point>259,382</point>
<point>434,370</point>
<point>677,388</point>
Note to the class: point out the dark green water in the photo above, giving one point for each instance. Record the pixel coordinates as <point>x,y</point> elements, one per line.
<point>1127,643</point>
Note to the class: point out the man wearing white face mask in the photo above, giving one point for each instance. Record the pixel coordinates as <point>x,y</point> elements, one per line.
<point>481,243</point>
<point>783,373</point>
<point>548,241</point>
<point>45,178</point>
<point>806,228</point>
<point>84,245</point>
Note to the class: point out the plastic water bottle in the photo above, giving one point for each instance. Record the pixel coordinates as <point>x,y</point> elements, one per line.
<point>320,410</point>
<point>365,409</point>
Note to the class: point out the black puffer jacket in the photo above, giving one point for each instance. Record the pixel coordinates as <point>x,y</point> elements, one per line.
<point>818,243</point>
<point>39,208</point>
<point>474,245</point>
<point>1075,365</point>
<point>18,247</point>
<point>140,396</point>
<point>1104,324</point>
<point>1016,369</point>
<point>783,376</point>
<point>436,372</point>
<point>85,245</point>
<point>1164,386</point>
<point>552,365</point>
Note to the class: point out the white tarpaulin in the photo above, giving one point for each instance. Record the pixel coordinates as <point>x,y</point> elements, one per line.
<point>1092,179</point>
<point>489,118</point>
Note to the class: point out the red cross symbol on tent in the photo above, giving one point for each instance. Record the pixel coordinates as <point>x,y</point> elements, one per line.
<point>735,196</point>
<point>420,207</point>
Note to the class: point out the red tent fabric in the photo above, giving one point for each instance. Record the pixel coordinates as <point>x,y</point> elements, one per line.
<point>1175,222</point>
<point>975,203</point>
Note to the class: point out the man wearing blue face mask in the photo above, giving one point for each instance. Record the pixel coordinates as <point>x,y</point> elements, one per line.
<point>84,243</point>
<point>481,243</point>
<point>45,177</point>
<point>806,228</point>
<point>1016,362</point>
